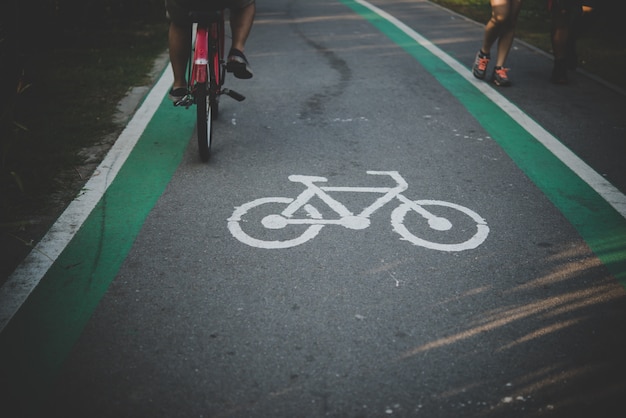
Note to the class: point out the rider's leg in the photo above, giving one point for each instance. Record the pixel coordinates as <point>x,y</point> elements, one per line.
<point>241,21</point>
<point>179,50</point>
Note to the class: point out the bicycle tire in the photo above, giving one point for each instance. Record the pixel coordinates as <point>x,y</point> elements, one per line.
<point>215,69</point>
<point>215,106</point>
<point>204,112</point>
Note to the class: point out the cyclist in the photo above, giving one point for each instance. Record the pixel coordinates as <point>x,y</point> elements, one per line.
<point>242,13</point>
<point>501,28</point>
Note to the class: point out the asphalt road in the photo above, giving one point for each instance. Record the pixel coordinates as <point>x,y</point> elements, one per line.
<point>515,310</point>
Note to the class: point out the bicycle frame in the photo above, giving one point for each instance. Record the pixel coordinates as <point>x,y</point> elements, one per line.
<point>205,77</point>
<point>206,71</point>
<point>206,66</point>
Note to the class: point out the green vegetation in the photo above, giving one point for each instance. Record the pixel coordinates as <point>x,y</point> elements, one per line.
<point>64,66</point>
<point>61,86</point>
<point>601,49</point>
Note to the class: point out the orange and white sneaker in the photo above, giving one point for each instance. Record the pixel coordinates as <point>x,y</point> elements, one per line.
<point>480,65</point>
<point>500,77</point>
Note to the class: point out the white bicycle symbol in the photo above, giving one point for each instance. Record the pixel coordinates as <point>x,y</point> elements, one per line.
<point>311,225</point>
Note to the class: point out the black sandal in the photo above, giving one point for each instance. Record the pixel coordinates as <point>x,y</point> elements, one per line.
<point>177,94</point>
<point>238,64</point>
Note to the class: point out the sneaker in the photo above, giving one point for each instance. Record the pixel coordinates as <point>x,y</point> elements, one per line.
<point>500,77</point>
<point>238,64</point>
<point>559,72</point>
<point>176,95</point>
<point>480,65</point>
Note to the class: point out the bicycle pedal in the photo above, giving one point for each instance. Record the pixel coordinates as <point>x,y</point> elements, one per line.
<point>237,96</point>
<point>186,101</point>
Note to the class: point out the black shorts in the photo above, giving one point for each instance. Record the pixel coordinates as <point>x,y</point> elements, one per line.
<point>178,10</point>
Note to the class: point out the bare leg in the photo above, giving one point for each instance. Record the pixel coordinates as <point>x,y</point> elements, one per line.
<point>493,26</point>
<point>241,23</point>
<point>180,48</point>
<point>563,36</point>
<point>507,33</point>
<point>560,34</point>
<point>501,27</point>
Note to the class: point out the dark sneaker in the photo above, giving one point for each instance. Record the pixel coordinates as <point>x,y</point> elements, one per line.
<point>559,72</point>
<point>238,64</point>
<point>500,77</point>
<point>480,65</point>
<point>176,95</point>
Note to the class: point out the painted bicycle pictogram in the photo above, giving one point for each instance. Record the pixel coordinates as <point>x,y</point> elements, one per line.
<point>312,221</point>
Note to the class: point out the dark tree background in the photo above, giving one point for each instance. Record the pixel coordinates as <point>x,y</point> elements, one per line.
<point>31,28</point>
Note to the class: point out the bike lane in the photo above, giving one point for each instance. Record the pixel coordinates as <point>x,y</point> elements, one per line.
<point>118,217</point>
<point>599,219</point>
<point>36,338</point>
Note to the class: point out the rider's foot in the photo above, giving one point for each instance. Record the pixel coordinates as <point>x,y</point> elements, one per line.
<point>238,64</point>
<point>177,94</point>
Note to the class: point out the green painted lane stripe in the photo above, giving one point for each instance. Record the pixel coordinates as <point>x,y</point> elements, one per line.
<point>40,335</point>
<point>597,221</point>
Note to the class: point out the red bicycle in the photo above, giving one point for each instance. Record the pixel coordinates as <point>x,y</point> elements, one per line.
<point>206,74</point>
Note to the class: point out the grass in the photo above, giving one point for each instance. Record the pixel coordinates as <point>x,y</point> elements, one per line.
<point>601,49</point>
<point>69,105</point>
<point>64,105</point>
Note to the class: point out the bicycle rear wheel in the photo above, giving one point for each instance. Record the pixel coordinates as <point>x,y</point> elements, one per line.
<point>204,109</point>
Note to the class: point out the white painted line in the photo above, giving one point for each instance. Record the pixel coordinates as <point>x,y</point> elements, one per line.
<point>30,272</point>
<point>604,188</point>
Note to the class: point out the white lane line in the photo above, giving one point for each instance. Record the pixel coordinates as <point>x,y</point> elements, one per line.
<point>30,272</point>
<point>598,183</point>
